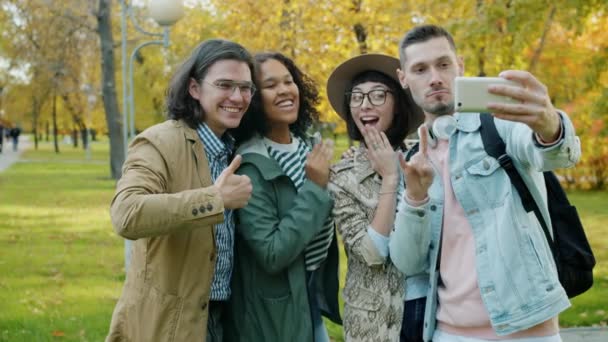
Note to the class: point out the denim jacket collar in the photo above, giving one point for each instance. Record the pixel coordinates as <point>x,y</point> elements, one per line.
<point>467,122</point>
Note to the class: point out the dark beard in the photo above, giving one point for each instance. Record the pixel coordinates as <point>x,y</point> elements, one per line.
<point>441,109</point>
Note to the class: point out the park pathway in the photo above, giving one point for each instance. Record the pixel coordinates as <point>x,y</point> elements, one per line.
<point>8,157</point>
<point>585,334</point>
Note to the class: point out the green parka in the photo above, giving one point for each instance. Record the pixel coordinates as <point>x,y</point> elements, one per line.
<point>269,300</point>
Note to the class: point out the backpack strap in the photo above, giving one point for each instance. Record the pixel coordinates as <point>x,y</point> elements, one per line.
<point>410,153</point>
<point>495,147</point>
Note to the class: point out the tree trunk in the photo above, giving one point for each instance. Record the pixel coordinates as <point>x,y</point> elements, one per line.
<point>361,36</point>
<point>481,61</point>
<point>110,103</point>
<point>75,137</point>
<point>54,114</point>
<point>543,39</point>
<point>85,138</point>
<point>35,121</point>
<point>286,28</point>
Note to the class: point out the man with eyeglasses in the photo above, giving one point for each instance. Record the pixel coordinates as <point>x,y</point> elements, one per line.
<point>176,197</point>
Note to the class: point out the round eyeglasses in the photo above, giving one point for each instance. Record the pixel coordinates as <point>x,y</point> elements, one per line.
<point>376,97</point>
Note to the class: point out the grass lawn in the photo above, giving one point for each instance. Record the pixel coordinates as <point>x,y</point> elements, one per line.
<point>61,265</point>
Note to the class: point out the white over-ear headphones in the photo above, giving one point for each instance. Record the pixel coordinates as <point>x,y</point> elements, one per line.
<point>443,127</point>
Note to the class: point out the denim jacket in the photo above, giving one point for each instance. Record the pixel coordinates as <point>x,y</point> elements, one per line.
<point>515,268</point>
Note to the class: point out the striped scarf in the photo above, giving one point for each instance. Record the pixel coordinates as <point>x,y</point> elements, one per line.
<point>293,165</point>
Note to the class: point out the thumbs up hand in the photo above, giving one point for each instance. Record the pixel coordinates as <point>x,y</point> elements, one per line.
<point>235,189</point>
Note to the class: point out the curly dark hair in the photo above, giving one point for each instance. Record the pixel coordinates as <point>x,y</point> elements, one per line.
<point>404,108</point>
<point>180,104</point>
<point>254,121</point>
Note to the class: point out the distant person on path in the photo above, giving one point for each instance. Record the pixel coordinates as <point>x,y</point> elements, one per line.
<point>15,132</point>
<point>175,199</point>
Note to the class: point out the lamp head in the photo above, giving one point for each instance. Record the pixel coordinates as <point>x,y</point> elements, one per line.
<point>166,12</point>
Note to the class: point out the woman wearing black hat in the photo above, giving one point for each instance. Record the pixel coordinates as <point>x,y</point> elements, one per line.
<point>367,189</point>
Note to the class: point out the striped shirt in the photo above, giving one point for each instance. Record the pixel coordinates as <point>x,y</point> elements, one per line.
<point>292,159</point>
<point>218,151</point>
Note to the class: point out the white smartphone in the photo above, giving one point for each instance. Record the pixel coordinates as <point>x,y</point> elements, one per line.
<point>472,96</point>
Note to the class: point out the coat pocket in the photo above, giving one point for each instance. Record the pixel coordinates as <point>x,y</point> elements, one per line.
<point>153,316</point>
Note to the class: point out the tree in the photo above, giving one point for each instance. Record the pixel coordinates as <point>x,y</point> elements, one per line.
<point>113,117</point>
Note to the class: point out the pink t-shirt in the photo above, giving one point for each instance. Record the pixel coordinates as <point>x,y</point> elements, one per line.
<point>461,310</point>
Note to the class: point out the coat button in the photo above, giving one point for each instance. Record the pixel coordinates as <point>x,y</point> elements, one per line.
<point>433,207</point>
<point>420,213</point>
<point>486,165</point>
<point>209,207</point>
<point>204,306</point>
<point>194,211</point>
<point>211,257</point>
<point>201,209</point>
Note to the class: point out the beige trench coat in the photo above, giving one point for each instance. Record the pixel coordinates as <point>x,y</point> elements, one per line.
<point>165,201</point>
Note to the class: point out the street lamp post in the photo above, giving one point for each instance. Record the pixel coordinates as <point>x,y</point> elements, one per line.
<point>165,13</point>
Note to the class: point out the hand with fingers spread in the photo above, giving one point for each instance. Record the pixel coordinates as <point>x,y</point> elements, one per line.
<point>535,108</point>
<point>381,154</point>
<point>235,189</point>
<point>318,162</point>
<point>418,170</point>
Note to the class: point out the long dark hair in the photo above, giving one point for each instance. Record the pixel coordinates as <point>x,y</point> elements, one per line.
<point>180,104</point>
<point>254,121</point>
<point>404,105</point>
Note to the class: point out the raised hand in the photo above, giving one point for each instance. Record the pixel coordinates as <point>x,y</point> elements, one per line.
<point>318,162</point>
<point>235,189</point>
<point>380,153</point>
<point>418,170</point>
<point>535,108</point>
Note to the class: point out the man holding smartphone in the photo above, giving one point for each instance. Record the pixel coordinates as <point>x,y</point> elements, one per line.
<point>492,272</point>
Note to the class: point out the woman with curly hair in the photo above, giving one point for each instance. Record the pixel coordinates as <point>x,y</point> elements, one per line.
<point>286,256</point>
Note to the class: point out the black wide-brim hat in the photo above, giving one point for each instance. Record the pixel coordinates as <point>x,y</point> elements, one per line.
<point>343,74</point>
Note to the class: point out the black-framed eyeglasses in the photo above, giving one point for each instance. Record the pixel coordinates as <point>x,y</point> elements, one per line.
<point>247,89</point>
<point>376,97</point>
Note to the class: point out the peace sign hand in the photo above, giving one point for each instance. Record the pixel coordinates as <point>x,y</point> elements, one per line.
<point>418,170</point>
